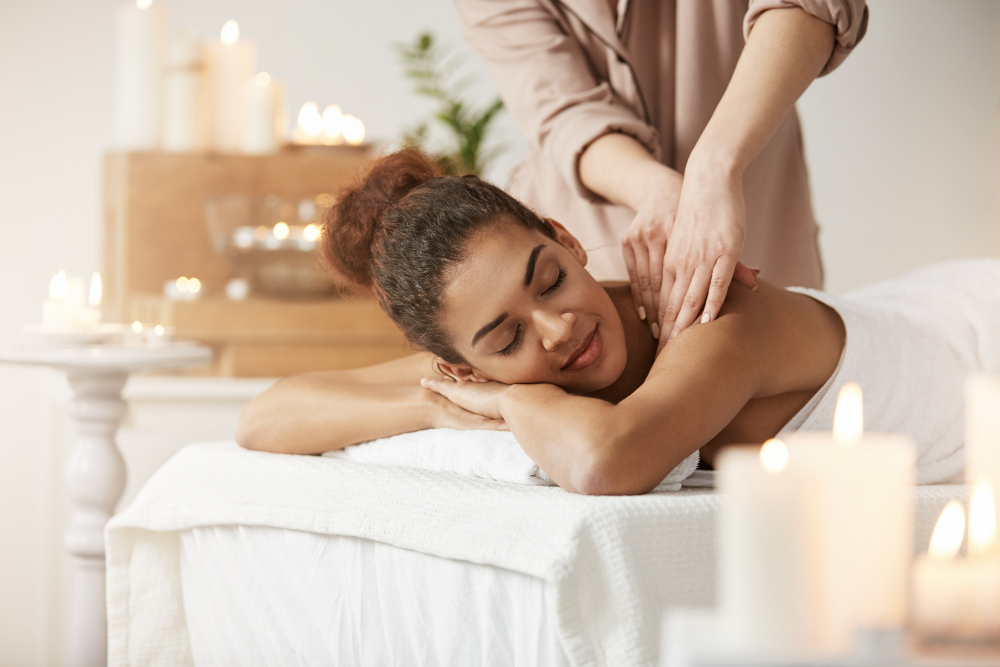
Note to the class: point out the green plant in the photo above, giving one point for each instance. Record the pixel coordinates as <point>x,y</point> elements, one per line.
<point>440,76</point>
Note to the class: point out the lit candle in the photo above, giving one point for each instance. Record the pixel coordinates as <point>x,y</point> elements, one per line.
<point>767,574</point>
<point>141,45</point>
<point>309,128</point>
<point>353,130</point>
<point>332,123</point>
<point>863,522</point>
<point>232,63</point>
<point>261,115</point>
<point>982,428</point>
<point>182,289</point>
<point>65,309</point>
<point>959,598</point>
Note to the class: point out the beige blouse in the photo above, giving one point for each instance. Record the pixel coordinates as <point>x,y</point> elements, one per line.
<point>571,71</point>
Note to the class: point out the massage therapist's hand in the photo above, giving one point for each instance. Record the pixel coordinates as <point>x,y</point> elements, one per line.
<point>479,398</point>
<point>703,249</point>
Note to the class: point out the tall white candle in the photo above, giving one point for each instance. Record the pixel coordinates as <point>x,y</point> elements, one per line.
<point>767,571</point>
<point>185,122</point>
<point>141,43</point>
<point>231,62</point>
<point>864,521</point>
<point>260,110</point>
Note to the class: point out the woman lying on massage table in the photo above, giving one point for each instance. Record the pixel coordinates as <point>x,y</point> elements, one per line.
<point>517,335</point>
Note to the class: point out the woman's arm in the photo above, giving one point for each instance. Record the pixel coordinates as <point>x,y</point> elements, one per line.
<point>319,412</point>
<point>764,343</point>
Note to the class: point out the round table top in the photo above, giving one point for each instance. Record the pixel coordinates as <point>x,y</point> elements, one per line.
<point>107,358</point>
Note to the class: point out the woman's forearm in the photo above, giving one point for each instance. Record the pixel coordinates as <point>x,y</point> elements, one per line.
<point>311,414</point>
<point>620,169</point>
<point>784,53</point>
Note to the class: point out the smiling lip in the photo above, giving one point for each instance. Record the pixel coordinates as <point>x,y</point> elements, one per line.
<point>587,352</point>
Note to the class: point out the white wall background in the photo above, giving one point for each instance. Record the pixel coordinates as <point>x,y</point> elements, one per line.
<point>902,143</point>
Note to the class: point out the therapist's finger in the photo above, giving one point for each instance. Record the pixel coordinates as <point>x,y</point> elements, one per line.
<point>722,275</point>
<point>633,277</point>
<point>692,300</point>
<point>657,249</point>
<point>642,278</point>
<point>671,308</point>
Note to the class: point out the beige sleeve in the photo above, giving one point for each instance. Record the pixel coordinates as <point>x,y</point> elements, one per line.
<point>848,17</point>
<point>547,84</point>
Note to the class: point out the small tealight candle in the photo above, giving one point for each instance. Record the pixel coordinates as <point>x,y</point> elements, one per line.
<point>182,289</point>
<point>158,335</point>
<point>959,598</point>
<point>66,309</point>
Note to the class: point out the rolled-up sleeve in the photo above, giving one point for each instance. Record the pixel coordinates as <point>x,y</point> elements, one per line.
<point>547,83</point>
<point>848,17</point>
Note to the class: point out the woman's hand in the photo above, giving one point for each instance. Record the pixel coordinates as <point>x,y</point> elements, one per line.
<point>703,250</point>
<point>476,399</point>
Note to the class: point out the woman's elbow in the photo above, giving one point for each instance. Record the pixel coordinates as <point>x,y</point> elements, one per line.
<point>247,432</point>
<point>602,473</point>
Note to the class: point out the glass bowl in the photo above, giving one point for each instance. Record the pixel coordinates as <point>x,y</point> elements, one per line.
<point>273,242</point>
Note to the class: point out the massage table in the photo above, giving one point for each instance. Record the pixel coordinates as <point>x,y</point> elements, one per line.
<point>229,556</point>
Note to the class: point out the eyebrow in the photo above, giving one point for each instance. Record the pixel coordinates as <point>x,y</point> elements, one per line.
<point>529,273</point>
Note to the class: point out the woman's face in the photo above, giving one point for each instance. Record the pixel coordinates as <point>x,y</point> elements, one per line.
<point>521,308</point>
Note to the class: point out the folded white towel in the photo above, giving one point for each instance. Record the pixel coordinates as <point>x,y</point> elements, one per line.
<point>485,454</point>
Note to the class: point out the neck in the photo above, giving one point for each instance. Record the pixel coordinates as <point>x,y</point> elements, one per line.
<point>639,345</point>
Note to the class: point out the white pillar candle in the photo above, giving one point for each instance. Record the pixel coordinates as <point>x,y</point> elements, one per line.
<point>959,598</point>
<point>66,308</point>
<point>231,63</point>
<point>185,122</point>
<point>260,109</point>
<point>766,568</point>
<point>982,428</point>
<point>864,521</point>
<point>141,43</point>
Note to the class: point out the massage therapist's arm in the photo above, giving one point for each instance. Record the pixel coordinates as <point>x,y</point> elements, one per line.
<point>320,412</point>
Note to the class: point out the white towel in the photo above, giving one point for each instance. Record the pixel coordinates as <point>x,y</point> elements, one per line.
<point>492,455</point>
<point>911,342</point>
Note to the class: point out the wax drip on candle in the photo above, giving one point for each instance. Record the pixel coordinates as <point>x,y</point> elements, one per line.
<point>982,520</point>
<point>230,32</point>
<point>774,455</point>
<point>946,539</point>
<point>848,420</point>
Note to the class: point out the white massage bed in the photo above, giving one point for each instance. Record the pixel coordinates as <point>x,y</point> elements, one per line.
<point>236,557</point>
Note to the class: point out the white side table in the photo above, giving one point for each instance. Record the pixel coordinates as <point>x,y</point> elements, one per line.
<point>95,471</point>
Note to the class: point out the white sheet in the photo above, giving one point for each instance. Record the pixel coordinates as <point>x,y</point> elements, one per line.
<point>265,596</point>
<point>613,564</point>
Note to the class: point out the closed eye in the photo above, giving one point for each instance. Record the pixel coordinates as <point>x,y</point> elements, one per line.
<point>556,284</point>
<point>518,335</point>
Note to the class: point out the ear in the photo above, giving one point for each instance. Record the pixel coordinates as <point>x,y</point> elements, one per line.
<point>459,372</point>
<point>569,242</point>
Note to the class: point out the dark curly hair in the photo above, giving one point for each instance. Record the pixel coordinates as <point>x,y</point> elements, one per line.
<point>397,231</point>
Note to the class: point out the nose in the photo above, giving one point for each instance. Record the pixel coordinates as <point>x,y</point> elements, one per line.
<point>555,329</point>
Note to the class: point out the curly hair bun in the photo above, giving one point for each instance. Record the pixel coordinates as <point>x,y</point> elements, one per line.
<point>352,228</point>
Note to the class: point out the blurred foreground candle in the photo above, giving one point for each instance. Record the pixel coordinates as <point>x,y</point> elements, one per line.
<point>231,64</point>
<point>767,571</point>
<point>959,598</point>
<point>185,125</point>
<point>982,428</point>
<point>142,33</point>
<point>863,514</point>
<point>261,115</point>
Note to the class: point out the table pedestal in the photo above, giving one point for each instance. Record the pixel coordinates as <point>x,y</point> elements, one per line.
<point>95,480</point>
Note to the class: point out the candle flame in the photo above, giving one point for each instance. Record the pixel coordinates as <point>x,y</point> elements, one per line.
<point>194,285</point>
<point>312,232</point>
<point>230,32</point>
<point>58,286</point>
<point>95,290</point>
<point>143,4</point>
<point>263,79</point>
<point>946,539</point>
<point>137,326</point>
<point>182,284</point>
<point>982,519</point>
<point>280,231</point>
<point>309,119</point>
<point>158,330</point>
<point>848,420</point>
<point>353,130</point>
<point>774,455</point>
